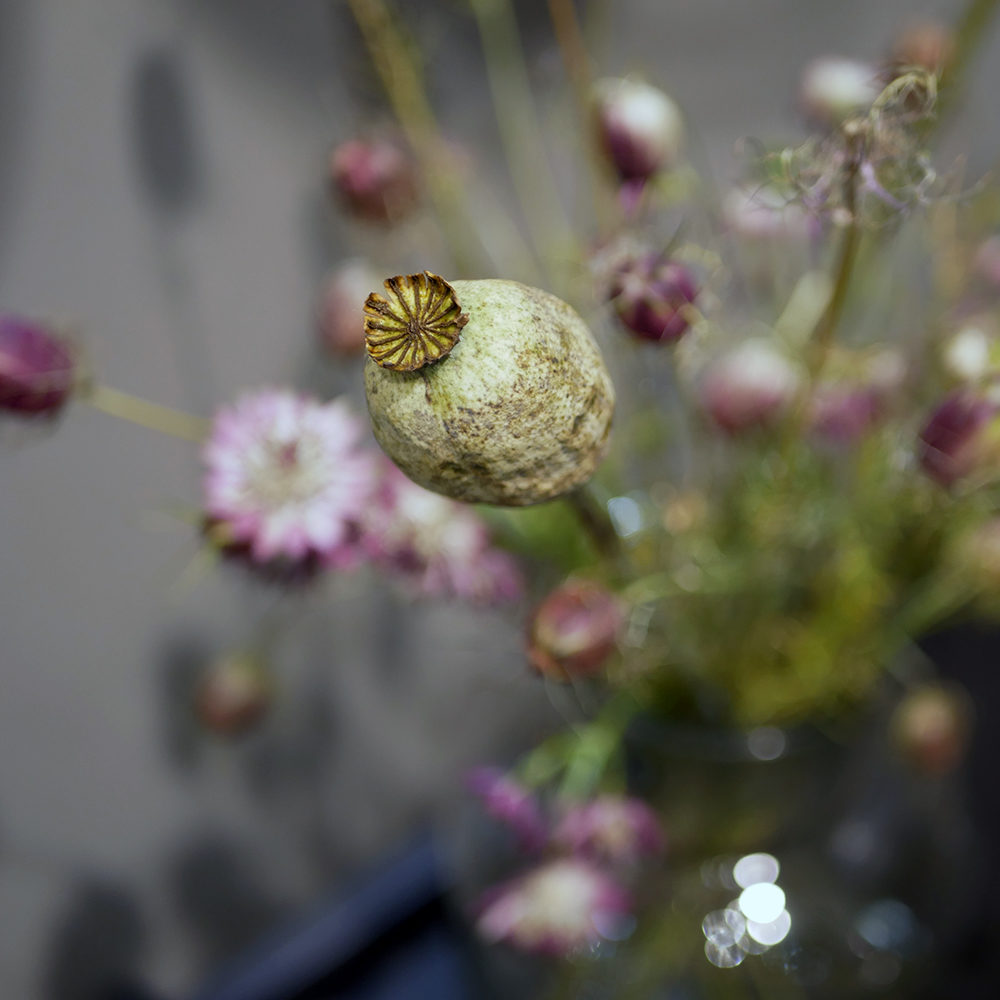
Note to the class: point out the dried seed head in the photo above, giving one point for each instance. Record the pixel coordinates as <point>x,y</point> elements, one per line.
<point>417,325</point>
<point>517,414</point>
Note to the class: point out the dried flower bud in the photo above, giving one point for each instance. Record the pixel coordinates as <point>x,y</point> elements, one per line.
<point>961,437</point>
<point>611,829</point>
<point>844,409</point>
<point>233,695</point>
<point>927,44</point>
<point>832,89</point>
<point>751,386</point>
<point>37,368</point>
<point>652,296</point>
<point>340,321</point>
<point>375,179</point>
<point>931,727</point>
<point>519,411</point>
<point>574,630</point>
<point>986,262</point>
<point>763,213</point>
<point>640,129</point>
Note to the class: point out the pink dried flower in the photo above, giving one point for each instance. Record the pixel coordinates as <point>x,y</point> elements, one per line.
<point>510,803</point>
<point>286,480</point>
<point>751,386</point>
<point>440,546</point>
<point>652,295</point>
<point>574,630</point>
<point>560,908</point>
<point>37,368</point>
<point>638,126</point>
<point>960,438</point>
<point>612,829</point>
<point>375,179</point>
<point>340,317</point>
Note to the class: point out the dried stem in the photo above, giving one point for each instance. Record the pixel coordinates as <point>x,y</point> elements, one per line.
<point>596,523</point>
<point>520,131</point>
<point>969,34</point>
<point>407,94</point>
<point>145,414</point>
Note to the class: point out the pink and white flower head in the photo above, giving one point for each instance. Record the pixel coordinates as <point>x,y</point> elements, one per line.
<point>510,803</point>
<point>751,386</point>
<point>611,828</point>
<point>562,907</point>
<point>442,547</point>
<point>286,481</point>
<point>340,317</point>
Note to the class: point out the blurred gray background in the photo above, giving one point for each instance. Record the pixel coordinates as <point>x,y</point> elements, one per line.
<point>162,194</point>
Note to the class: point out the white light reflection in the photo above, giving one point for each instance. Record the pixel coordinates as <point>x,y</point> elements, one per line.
<point>626,515</point>
<point>755,868</point>
<point>773,932</point>
<point>753,923</point>
<point>762,902</point>
<point>766,742</point>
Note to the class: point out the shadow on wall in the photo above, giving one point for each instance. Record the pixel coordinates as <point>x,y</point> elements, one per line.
<point>97,946</point>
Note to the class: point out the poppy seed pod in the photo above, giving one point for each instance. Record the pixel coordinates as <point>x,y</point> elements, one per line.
<point>640,129</point>
<point>574,630</point>
<point>502,399</point>
<point>37,368</point>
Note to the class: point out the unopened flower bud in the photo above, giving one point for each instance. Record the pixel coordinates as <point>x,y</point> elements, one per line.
<point>37,368</point>
<point>574,631</point>
<point>929,45</point>
<point>233,695</point>
<point>652,297</point>
<point>375,179</point>
<point>986,262</point>
<point>833,89</point>
<point>962,437</point>
<point>845,409</point>
<point>931,727</point>
<point>751,386</point>
<point>340,320</point>
<point>640,129</point>
<point>513,408</point>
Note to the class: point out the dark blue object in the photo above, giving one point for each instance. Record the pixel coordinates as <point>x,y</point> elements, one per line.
<point>394,938</point>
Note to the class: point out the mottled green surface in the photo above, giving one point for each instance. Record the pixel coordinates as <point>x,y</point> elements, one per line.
<point>519,412</point>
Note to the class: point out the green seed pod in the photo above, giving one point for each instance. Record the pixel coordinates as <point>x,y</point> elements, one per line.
<point>517,412</point>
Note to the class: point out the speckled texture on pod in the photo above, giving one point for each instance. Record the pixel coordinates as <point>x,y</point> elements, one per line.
<point>519,412</point>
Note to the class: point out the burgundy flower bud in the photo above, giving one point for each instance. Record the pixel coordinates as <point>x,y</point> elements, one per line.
<point>961,437</point>
<point>639,128</point>
<point>833,89</point>
<point>233,695</point>
<point>931,727</point>
<point>574,630</point>
<point>375,179</point>
<point>844,411</point>
<point>37,368</point>
<point>751,386</point>
<point>651,297</point>
<point>340,318</point>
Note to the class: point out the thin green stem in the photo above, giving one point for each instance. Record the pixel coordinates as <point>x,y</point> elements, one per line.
<point>150,415</point>
<point>597,524</point>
